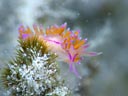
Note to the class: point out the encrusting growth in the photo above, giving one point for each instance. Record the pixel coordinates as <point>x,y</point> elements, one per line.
<point>33,71</point>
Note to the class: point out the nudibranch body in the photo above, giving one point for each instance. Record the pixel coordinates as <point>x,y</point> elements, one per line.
<point>69,47</point>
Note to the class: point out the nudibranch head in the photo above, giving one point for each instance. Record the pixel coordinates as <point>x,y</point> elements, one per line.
<point>69,47</point>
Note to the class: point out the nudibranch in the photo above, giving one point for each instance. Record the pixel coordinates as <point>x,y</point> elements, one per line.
<point>68,46</point>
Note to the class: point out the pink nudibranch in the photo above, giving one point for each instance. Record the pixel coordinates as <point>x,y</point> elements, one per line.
<point>69,47</point>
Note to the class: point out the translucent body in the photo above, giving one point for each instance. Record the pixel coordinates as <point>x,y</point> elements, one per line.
<point>69,47</point>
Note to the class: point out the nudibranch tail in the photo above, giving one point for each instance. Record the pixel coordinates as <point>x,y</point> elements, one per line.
<point>93,53</point>
<point>67,44</point>
<point>73,69</point>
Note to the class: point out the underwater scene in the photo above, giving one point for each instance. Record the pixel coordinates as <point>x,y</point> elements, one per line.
<point>63,48</point>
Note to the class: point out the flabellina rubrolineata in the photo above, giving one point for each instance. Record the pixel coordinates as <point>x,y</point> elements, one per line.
<point>68,46</point>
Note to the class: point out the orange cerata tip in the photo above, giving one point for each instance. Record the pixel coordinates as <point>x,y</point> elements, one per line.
<point>69,47</point>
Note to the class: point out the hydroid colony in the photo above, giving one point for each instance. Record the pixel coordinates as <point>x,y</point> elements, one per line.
<point>34,71</point>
